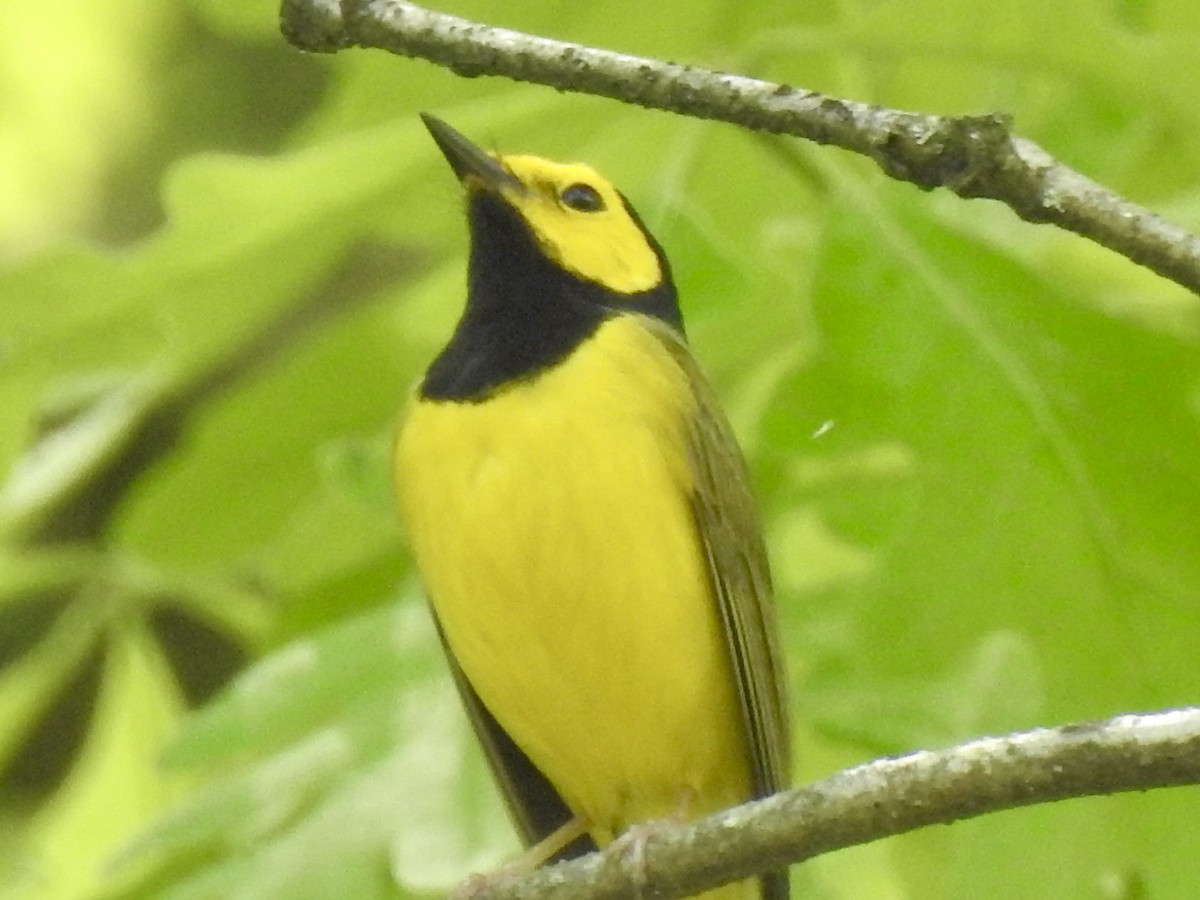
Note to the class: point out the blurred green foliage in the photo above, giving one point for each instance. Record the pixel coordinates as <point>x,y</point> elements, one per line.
<point>223,262</point>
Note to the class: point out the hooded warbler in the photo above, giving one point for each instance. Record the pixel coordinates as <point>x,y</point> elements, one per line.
<point>581,518</point>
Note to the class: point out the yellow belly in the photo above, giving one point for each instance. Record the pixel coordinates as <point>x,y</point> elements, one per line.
<point>552,529</point>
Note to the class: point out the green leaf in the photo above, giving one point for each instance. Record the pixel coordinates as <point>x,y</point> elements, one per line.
<point>345,756</point>
<point>115,785</point>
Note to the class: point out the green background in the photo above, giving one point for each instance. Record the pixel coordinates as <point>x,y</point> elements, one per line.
<point>222,264</point>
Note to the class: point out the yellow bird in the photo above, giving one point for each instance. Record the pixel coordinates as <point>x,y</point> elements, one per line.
<point>582,521</point>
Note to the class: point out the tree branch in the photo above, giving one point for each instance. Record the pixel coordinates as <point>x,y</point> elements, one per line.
<point>879,799</point>
<point>974,156</point>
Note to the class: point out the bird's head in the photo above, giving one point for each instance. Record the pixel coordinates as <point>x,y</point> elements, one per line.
<point>578,220</point>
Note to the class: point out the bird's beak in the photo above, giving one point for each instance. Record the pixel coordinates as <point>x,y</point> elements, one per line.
<point>470,164</point>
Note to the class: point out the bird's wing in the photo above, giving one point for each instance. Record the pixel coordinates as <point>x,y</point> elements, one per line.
<point>533,804</point>
<point>730,532</point>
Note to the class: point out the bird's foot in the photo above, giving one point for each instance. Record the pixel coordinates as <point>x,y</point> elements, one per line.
<point>479,885</point>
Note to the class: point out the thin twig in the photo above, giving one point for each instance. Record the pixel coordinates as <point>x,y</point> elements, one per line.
<point>974,156</point>
<point>883,798</point>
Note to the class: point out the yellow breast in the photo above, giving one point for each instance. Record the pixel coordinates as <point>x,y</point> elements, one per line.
<point>552,526</point>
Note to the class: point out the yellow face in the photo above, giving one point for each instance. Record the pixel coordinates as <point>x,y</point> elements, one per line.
<point>581,222</point>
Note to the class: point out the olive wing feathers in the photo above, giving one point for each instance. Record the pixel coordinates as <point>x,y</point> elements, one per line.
<point>534,806</point>
<point>729,530</point>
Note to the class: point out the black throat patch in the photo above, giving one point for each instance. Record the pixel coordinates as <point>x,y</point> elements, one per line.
<point>524,313</point>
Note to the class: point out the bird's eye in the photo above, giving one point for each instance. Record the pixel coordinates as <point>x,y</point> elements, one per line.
<point>582,197</point>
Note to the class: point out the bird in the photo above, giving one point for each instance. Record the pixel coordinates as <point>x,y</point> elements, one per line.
<point>582,522</point>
